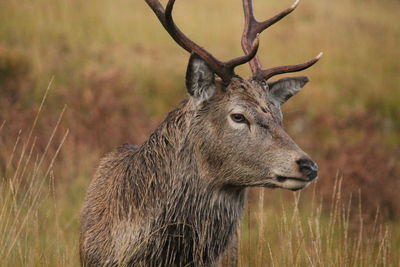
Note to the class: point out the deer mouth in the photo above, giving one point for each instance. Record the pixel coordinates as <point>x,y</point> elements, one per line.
<point>282,179</point>
<point>291,183</point>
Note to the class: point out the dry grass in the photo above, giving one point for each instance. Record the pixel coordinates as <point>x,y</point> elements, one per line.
<point>28,200</point>
<point>296,231</point>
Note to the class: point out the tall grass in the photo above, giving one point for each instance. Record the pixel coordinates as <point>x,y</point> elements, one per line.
<point>30,231</point>
<point>294,233</point>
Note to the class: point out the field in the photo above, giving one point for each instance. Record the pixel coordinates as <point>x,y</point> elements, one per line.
<point>79,78</point>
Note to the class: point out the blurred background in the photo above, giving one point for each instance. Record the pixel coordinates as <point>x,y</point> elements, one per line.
<point>79,78</point>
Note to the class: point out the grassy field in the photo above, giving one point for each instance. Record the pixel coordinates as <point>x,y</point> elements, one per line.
<point>112,73</point>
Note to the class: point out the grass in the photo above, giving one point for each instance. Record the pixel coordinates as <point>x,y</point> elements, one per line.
<point>115,73</point>
<point>292,233</point>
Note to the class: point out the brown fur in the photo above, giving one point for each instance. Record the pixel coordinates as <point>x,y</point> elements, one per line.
<point>177,199</point>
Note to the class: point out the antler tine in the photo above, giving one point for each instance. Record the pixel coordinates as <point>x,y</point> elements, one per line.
<point>225,70</point>
<point>254,27</point>
<point>266,74</point>
<point>269,22</point>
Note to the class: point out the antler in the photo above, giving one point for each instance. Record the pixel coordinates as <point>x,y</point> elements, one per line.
<point>253,28</point>
<point>225,70</point>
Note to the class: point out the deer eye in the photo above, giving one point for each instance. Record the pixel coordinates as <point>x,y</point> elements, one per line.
<point>239,118</point>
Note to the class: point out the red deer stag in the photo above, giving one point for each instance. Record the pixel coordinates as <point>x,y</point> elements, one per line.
<point>177,199</point>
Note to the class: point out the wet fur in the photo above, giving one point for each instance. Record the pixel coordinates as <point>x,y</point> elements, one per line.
<point>149,206</point>
<point>177,200</point>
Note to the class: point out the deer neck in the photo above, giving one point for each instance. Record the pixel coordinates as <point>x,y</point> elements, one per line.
<point>169,156</point>
<point>184,201</point>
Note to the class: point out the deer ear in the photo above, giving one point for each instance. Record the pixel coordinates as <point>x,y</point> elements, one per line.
<point>281,90</point>
<point>200,79</point>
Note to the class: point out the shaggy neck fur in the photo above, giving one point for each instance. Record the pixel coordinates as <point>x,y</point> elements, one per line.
<point>192,218</point>
<point>161,209</point>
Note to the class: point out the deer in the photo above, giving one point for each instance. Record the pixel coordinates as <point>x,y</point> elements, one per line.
<point>178,198</point>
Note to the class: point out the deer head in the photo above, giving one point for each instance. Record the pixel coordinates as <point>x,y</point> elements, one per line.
<point>237,128</point>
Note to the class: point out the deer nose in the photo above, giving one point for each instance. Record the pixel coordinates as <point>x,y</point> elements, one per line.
<point>308,168</point>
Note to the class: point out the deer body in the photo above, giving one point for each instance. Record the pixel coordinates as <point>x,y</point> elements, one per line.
<point>160,210</point>
<point>177,199</point>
